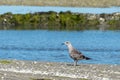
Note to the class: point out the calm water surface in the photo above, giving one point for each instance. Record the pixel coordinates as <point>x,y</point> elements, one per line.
<point>32,9</point>
<point>42,45</point>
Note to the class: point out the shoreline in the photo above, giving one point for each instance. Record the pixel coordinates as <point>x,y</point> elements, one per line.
<point>33,70</point>
<point>59,21</point>
<point>79,3</point>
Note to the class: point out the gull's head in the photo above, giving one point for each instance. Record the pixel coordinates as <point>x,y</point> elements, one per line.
<point>66,43</point>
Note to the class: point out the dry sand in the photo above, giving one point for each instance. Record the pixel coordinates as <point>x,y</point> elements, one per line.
<point>80,3</point>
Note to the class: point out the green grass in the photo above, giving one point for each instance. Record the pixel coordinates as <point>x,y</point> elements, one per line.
<point>5,62</point>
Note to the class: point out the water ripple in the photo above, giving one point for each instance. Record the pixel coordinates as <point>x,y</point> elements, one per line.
<point>57,49</point>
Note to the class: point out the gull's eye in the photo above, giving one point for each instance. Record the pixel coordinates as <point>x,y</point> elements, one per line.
<point>67,42</point>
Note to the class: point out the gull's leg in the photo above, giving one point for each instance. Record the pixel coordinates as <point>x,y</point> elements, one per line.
<point>75,62</point>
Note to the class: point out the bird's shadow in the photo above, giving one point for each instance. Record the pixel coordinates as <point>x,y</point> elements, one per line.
<point>72,65</point>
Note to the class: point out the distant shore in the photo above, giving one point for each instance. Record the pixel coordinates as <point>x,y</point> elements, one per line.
<point>74,3</point>
<point>33,70</point>
<point>59,21</point>
<point>63,20</point>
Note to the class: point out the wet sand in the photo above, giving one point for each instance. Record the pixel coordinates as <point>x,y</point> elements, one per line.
<point>33,70</point>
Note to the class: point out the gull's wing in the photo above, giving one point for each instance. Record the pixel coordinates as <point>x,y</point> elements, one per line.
<point>76,55</point>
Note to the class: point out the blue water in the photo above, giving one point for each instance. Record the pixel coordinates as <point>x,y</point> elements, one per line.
<point>32,9</point>
<point>42,45</point>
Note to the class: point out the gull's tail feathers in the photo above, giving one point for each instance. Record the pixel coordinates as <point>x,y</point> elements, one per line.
<point>86,58</point>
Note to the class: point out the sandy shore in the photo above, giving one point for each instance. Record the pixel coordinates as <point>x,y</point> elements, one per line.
<point>32,70</point>
<point>77,3</point>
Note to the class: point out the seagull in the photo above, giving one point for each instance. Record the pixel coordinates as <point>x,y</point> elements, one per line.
<point>75,54</point>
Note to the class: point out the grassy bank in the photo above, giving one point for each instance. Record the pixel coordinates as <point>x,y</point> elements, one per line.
<point>83,3</point>
<point>60,21</point>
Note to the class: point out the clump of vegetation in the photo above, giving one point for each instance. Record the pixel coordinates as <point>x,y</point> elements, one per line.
<point>5,62</point>
<point>114,24</point>
<point>46,20</point>
<point>41,79</point>
<point>56,21</point>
